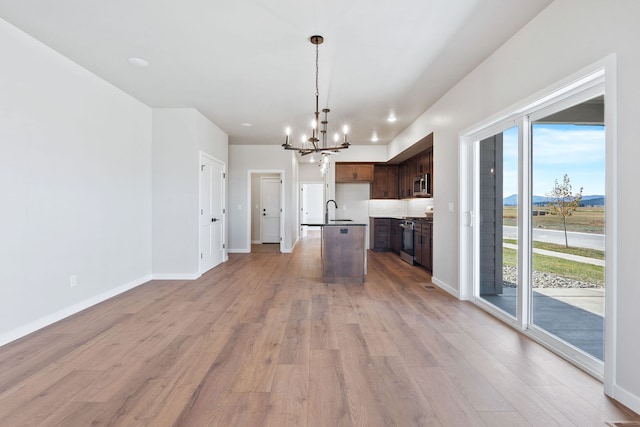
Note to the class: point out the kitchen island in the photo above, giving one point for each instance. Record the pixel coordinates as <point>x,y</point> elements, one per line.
<point>344,258</point>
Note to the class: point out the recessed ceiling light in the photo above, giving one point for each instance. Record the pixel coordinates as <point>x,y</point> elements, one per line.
<point>391,118</point>
<point>138,62</point>
<point>374,138</point>
<point>247,125</point>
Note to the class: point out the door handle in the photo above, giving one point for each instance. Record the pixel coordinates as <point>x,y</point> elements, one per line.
<point>214,219</point>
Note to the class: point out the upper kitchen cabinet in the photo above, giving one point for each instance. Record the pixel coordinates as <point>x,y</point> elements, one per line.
<point>408,171</point>
<point>385,182</point>
<point>354,172</point>
<point>424,160</point>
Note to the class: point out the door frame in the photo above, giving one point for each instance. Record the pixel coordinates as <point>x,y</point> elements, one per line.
<point>225,255</point>
<point>303,230</point>
<point>283,215</point>
<point>468,221</point>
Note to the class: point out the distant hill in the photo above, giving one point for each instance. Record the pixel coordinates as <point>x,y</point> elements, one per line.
<point>594,200</point>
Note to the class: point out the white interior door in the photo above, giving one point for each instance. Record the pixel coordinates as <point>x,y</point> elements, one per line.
<point>211,213</point>
<point>270,209</point>
<point>312,203</point>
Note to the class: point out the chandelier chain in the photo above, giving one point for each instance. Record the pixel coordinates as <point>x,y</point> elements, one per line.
<point>317,72</point>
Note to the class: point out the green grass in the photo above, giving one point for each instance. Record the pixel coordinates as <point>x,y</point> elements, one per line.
<point>585,219</point>
<point>560,267</point>
<point>585,252</point>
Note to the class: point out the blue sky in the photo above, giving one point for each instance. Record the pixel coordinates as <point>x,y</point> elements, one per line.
<point>577,150</point>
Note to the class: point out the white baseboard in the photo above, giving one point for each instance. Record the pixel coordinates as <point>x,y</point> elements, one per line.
<point>442,285</point>
<point>628,399</point>
<point>49,319</point>
<point>193,276</point>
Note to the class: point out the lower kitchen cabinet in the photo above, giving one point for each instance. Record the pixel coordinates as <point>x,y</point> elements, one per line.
<point>380,234</point>
<point>423,244</point>
<point>396,235</point>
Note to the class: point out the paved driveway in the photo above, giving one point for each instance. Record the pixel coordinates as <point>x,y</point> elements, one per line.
<point>579,240</point>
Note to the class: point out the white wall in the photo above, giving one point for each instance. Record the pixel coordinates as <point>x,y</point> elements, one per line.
<point>565,38</point>
<point>75,179</point>
<point>179,135</point>
<point>260,159</point>
<point>353,203</point>
<point>310,172</point>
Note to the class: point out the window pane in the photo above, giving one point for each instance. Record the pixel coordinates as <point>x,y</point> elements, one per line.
<point>498,178</point>
<point>568,187</point>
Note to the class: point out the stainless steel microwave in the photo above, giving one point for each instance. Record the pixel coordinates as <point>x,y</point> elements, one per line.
<point>422,186</point>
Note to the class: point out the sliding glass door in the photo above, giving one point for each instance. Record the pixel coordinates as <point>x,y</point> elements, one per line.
<point>567,210</point>
<point>537,218</point>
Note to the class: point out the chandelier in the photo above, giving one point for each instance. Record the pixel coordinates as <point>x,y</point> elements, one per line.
<point>318,140</point>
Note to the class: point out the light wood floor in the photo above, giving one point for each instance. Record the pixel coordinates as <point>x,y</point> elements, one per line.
<point>260,340</point>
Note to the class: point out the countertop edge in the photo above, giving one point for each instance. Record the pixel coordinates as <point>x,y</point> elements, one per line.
<point>337,224</point>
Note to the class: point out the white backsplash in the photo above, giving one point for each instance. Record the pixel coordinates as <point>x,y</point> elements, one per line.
<point>418,207</point>
<point>399,208</point>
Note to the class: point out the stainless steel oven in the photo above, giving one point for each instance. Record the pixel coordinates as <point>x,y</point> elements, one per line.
<point>406,251</point>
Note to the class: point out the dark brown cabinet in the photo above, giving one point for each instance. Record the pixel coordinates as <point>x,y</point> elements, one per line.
<point>380,234</point>
<point>354,172</point>
<point>423,244</point>
<point>385,182</point>
<point>396,235</point>
<point>393,181</point>
<point>406,176</point>
<point>424,162</point>
<point>425,165</point>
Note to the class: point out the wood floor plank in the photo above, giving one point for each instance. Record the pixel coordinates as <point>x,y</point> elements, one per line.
<point>261,340</point>
<point>504,419</point>
<point>403,404</point>
<point>581,412</point>
<point>409,346</point>
<point>289,397</point>
<point>323,334</point>
<point>536,410</point>
<point>240,409</point>
<point>359,372</point>
<point>297,335</point>
<point>448,403</point>
<point>328,400</point>
<point>37,409</point>
<point>210,395</point>
<point>259,362</point>
<point>476,389</point>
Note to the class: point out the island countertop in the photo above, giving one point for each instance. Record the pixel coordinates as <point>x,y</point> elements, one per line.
<point>334,223</point>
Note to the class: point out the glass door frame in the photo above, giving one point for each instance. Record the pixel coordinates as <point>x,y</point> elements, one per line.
<point>571,93</point>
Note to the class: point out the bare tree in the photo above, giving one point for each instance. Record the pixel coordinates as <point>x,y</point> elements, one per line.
<point>562,202</point>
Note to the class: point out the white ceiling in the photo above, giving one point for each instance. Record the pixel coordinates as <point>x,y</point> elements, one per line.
<point>250,61</point>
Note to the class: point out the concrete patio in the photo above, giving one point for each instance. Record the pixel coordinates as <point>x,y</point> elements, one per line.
<point>572,314</point>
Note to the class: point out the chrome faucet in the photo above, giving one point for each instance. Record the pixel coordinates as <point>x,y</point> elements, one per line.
<point>326,211</point>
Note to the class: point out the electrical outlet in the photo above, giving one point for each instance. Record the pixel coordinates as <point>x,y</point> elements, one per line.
<point>73,280</point>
